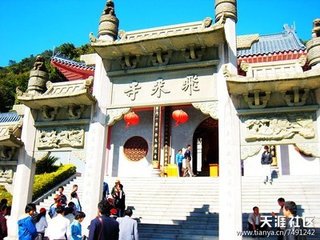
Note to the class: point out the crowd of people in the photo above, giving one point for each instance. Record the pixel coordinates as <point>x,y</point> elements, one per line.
<point>113,222</point>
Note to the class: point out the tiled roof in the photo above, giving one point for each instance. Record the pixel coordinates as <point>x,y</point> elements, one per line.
<point>72,70</point>
<point>287,41</point>
<point>9,117</point>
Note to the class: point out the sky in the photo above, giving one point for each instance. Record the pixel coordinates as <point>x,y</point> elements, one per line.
<point>29,27</point>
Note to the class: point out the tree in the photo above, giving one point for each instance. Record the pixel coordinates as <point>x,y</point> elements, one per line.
<point>17,74</point>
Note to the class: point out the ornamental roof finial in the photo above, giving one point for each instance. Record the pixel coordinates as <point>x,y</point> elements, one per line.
<point>109,23</point>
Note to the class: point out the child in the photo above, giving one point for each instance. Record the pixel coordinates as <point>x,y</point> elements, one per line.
<point>75,227</point>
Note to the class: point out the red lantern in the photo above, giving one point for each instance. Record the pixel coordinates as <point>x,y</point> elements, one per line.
<point>131,119</point>
<point>180,117</point>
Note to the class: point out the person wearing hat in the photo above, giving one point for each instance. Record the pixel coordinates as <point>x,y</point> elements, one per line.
<point>41,223</point>
<point>114,213</point>
<point>266,160</point>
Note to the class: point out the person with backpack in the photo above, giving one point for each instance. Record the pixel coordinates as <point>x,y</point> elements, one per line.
<point>266,160</point>
<point>26,226</point>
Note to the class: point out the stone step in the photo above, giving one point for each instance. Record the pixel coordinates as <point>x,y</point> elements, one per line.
<point>187,208</point>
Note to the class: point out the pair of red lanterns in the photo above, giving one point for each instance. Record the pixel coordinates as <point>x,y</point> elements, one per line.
<point>133,119</point>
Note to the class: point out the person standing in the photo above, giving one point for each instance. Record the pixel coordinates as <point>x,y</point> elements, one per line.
<point>179,161</point>
<point>266,160</point>
<point>41,223</point>
<point>3,222</point>
<point>75,227</point>
<point>293,229</point>
<point>128,227</point>
<point>119,197</point>
<point>26,227</point>
<point>105,191</point>
<point>58,227</point>
<point>103,226</point>
<point>62,197</point>
<point>187,158</point>
<point>281,202</point>
<point>74,197</point>
<point>120,200</point>
<point>52,209</point>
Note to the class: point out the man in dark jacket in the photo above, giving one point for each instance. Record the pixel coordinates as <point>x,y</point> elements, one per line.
<point>266,160</point>
<point>294,224</point>
<point>103,226</point>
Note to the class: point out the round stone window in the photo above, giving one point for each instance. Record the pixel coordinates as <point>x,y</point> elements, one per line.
<point>135,148</point>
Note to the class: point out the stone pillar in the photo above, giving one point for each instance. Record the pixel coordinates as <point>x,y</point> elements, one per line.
<point>96,146</point>
<point>24,176</point>
<point>230,213</point>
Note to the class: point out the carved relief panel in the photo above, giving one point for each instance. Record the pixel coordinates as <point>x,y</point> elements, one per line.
<point>60,138</point>
<point>279,128</point>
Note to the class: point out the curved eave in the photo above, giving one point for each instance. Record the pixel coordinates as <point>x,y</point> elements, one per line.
<point>238,85</point>
<point>72,72</point>
<point>208,37</point>
<point>10,141</point>
<point>79,98</point>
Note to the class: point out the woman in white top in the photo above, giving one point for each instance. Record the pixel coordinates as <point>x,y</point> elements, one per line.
<point>75,200</point>
<point>41,224</point>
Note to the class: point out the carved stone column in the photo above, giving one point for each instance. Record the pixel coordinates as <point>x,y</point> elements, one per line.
<point>230,204</point>
<point>96,140</point>
<point>24,176</point>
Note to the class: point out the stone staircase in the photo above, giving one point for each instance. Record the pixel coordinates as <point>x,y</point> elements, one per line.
<point>187,208</point>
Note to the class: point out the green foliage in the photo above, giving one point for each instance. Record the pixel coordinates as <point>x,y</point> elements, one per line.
<point>5,194</point>
<point>46,165</point>
<point>17,74</point>
<point>44,182</point>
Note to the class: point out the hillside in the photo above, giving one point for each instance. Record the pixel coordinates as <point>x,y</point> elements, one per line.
<point>17,74</point>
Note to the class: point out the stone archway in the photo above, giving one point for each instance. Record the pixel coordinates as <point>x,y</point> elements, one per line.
<point>205,146</point>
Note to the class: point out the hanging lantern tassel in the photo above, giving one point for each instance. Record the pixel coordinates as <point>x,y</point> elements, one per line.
<point>180,117</point>
<point>131,119</point>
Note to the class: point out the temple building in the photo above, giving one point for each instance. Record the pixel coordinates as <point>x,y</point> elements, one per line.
<point>128,108</point>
